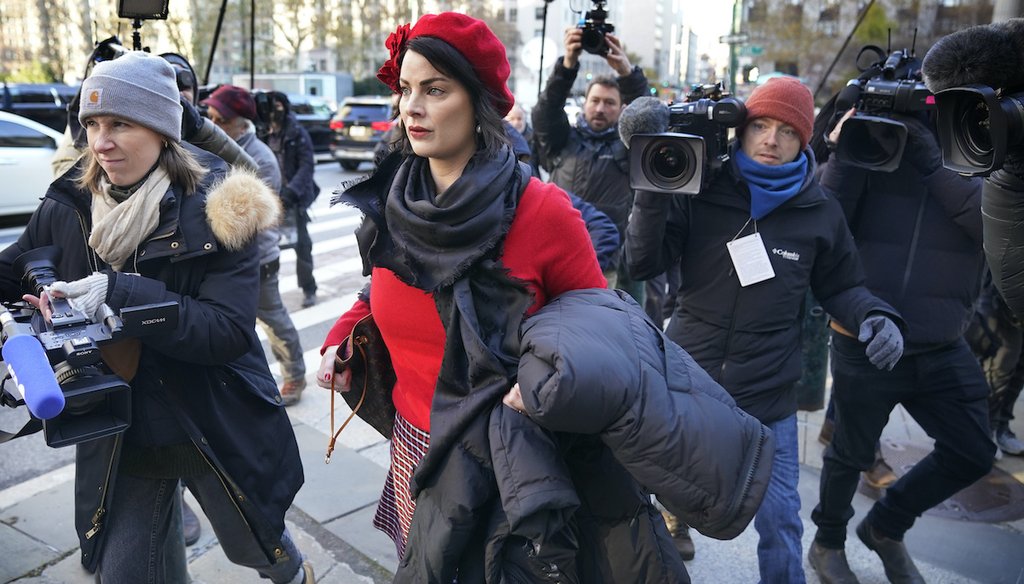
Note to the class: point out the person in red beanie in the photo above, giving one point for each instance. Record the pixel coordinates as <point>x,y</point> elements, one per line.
<point>749,246</point>
<point>461,244</point>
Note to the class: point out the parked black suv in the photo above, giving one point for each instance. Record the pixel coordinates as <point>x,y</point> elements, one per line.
<point>46,103</point>
<point>358,127</point>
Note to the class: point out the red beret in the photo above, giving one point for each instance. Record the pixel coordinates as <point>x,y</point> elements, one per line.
<point>467,35</point>
<point>787,100</point>
<point>232,101</point>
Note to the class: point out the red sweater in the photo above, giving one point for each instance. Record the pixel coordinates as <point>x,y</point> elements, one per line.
<point>547,247</point>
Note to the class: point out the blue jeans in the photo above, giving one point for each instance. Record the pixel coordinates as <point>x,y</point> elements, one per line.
<point>277,323</point>
<point>146,512</point>
<point>778,525</point>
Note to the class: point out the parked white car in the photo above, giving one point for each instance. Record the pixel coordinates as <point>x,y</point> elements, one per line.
<point>26,149</point>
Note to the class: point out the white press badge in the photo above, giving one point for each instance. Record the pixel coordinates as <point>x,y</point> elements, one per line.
<point>750,258</point>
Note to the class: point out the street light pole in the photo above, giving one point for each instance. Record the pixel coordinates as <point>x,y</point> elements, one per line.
<point>733,46</point>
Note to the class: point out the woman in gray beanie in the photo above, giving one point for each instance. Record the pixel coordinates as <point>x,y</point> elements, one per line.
<point>144,218</point>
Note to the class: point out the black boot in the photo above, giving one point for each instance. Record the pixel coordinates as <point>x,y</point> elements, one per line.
<point>831,565</point>
<point>899,567</point>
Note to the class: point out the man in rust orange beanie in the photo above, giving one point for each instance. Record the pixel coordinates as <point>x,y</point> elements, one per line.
<point>758,237</point>
<point>787,100</point>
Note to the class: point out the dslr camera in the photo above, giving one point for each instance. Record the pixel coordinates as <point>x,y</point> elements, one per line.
<point>871,139</point>
<point>695,147</point>
<point>594,26</point>
<point>97,402</point>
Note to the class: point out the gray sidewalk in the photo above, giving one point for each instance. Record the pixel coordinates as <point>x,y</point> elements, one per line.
<point>331,519</point>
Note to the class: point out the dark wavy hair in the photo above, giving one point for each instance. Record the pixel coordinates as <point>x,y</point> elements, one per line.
<point>449,61</point>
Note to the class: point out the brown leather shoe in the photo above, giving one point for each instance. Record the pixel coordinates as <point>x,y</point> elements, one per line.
<point>680,533</point>
<point>828,428</point>
<point>899,567</point>
<point>831,565</point>
<point>291,391</point>
<point>880,475</point>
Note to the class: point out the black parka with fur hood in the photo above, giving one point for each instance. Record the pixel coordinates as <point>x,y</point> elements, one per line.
<point>210,372</point>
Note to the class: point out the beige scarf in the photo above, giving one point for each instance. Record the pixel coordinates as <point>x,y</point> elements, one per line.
<point>119,228</point>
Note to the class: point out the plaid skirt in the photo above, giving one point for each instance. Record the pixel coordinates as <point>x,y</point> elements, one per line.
<point>394,511</point>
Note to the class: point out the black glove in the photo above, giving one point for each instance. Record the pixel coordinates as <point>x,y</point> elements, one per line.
<point>289,197</point>
<point>191,120</point>
<point>922,149</point>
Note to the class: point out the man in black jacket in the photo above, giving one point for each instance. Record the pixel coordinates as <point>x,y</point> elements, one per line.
<point>294,150</point>
<point>918,230</point>
<point>748,247</point>
<point>589,159</point>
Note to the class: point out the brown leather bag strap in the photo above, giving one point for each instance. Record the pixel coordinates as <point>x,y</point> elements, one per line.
<point>340,364</point>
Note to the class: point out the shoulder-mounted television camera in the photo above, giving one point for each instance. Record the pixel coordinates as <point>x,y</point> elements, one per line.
<point>594,26</point>
<point>695,147</point>
<point>978,77</point>
<point>91,401</point>
<point>871,138</point>
<point>977,125</point>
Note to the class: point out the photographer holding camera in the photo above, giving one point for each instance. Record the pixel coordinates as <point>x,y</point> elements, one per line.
<point>749,245</point>
<point>918,231</point>
<point>144,218</point>
<point>589,159</point>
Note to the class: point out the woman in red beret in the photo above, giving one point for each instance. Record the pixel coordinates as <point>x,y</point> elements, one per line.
<point>461,245</point>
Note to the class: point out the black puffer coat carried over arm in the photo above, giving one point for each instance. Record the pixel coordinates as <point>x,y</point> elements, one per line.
<point>592,363</point>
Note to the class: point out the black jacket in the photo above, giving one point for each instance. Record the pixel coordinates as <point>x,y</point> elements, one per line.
<point>749,338</point>
<point>616,412</point>
<point>595,166</point>
<point>295,152</point>
<point>1003,206</point>
<point>919,238</point>
<point>210,372</point>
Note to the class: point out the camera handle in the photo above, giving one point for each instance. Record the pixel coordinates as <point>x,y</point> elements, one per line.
<point>136,35</point>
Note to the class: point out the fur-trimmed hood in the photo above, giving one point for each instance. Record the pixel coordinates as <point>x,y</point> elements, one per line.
<point>239,207</point>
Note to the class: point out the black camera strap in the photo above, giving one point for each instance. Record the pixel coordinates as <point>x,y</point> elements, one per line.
<point>31,427</point>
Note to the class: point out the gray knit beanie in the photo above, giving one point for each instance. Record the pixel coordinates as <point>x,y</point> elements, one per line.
<point>138,87</point>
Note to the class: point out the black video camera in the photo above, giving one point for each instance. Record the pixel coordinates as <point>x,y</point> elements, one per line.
<point>97,402</point>
<point>977,125</point>
<point>977,75</point>
<point>695,147</point>
<point>871,139</point>
<point>594,26</point>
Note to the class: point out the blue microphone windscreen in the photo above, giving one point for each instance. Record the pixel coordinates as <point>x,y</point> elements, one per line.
<point>30,369</point>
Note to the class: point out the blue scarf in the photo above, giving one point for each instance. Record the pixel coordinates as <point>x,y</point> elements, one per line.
<point>770,186</point>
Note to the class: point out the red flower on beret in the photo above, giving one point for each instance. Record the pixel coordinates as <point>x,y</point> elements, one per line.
<point>388,73</point>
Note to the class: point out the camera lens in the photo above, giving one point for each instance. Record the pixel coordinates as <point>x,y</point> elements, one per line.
<point>669,164</point>
<point>874,144</point>
<point>593,41</point>
<point>975,132</point>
